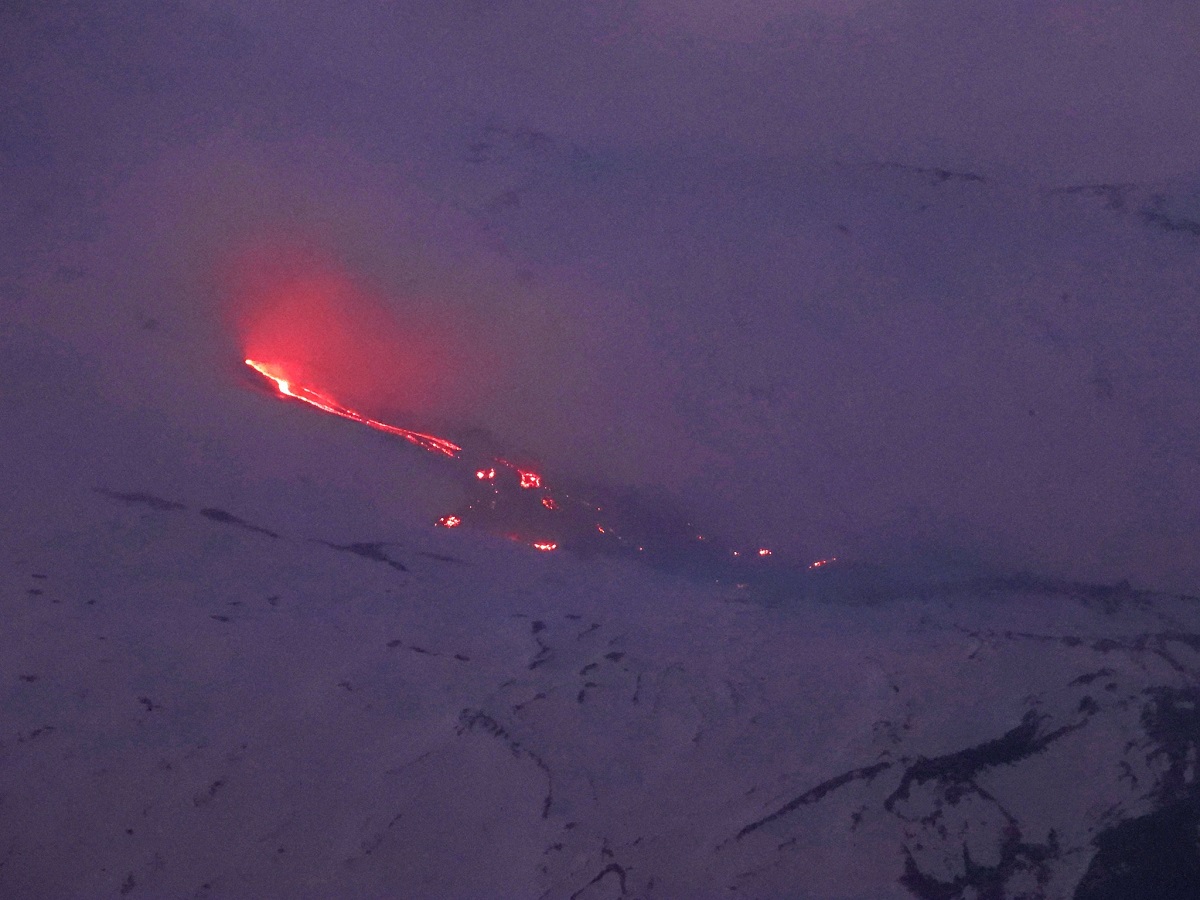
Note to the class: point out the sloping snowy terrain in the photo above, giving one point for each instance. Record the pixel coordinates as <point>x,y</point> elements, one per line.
<point>910,285</point>
<point>209,692</point>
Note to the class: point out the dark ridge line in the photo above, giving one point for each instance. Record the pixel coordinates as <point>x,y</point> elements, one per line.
<point>611,867</point>
<point>1152,216</point>
<point>372,550</point>
<point>1150,856</point>
<point>141,498</point>
<point>1115,199</point>
<point>872,583</point>
<point>814,794</point>
<point>1112,194</point>
<point>1110,596</point>
<point>441,557</point>
<point>1089,677</point>
<point>1013,746</point>
<point>228,518</point>
<point>469,718</point>
<point>1156,643</point>
<point>940,175</point>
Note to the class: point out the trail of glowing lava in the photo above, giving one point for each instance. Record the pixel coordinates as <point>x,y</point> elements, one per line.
<point>329,405</point>
<point>529,492</point>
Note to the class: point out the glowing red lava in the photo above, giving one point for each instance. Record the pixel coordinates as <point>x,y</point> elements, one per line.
<point>329,405</point>
<point>529,479</point>
<point>511,496</point>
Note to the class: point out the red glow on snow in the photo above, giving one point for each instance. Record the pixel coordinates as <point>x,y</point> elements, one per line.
<point>549,503</point>
<point>449,521</point>
<point>763,551</point>
<point>329,405</point>
<point>530,479</point>
<point>545,545</point>
<point>352,335</point>
<point>486,474</point>
<point>821,563</point>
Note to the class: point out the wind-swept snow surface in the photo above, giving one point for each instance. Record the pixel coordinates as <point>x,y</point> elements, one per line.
<point>208,693</point>
<point>685,298</point>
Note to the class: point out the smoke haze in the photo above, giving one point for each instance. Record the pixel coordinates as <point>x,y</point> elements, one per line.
<point>891,282</point>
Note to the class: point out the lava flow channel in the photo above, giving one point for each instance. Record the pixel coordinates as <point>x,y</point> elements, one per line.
<point>329,405</point>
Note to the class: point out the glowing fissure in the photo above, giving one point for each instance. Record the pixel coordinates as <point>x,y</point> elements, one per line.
<point>520,498</point>
<point>329,405</point>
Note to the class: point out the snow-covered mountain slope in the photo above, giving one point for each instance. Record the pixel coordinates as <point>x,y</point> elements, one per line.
<point>213,692</point>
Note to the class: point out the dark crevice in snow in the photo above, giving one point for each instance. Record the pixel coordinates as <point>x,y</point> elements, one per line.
<point>610,869</point>
<point>369,550</point>
<point>141,498</point>
<point>1013,746</point>
<point>938,175</point>
<point>1154,215</point>
<point>228,518</point>
<point>814,794</point>
<point>471,719</point>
